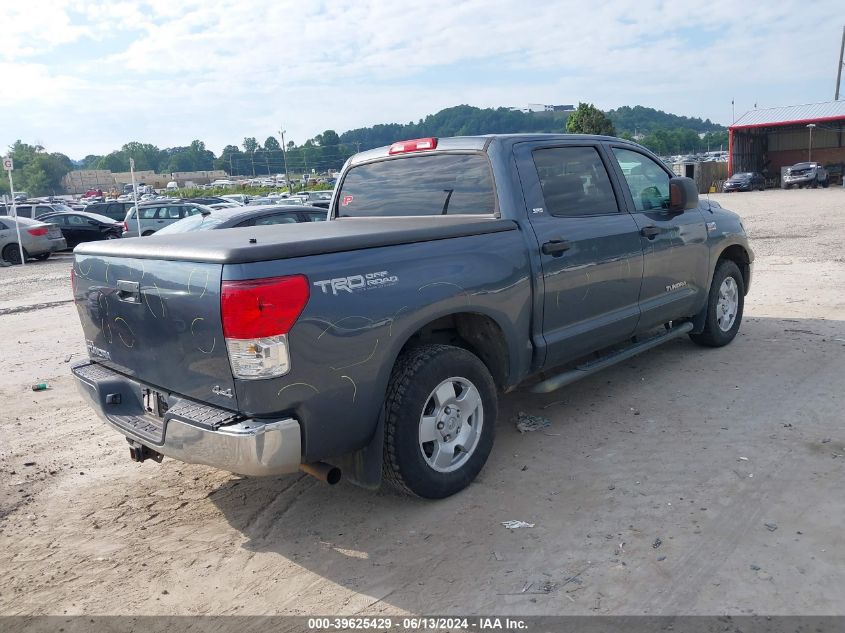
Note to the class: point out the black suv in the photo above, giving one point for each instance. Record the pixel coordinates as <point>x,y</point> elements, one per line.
<point>115,210</point>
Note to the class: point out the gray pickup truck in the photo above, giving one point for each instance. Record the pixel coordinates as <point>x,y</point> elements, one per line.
<point>375,343</point>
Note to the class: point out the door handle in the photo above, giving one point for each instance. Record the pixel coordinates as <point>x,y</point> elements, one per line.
<point>650,232</point>
<point>556,247</point>
<point>128,291</point>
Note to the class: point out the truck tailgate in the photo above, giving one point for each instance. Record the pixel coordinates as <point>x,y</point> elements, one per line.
<point>158,322</point>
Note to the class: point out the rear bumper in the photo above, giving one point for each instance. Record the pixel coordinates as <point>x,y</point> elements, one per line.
<point>49,245</point>
<point>189,431</point>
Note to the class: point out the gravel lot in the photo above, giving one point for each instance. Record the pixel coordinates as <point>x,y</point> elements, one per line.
<point>684,481</point>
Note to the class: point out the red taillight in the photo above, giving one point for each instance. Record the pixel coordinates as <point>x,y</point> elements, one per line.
<point>38,231</point>
<point>125,227</point>
<point>414,145</point>
<point>256,308</point>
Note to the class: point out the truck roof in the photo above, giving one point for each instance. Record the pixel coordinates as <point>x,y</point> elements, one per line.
<point>479,143</point>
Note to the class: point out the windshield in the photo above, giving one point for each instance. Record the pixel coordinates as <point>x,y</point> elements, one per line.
<point>743,176</point>
<point>422,184</point>
<point>196,222</point>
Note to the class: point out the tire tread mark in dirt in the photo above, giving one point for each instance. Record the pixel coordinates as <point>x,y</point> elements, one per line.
<point>255,528</point>
<point>33,307</point>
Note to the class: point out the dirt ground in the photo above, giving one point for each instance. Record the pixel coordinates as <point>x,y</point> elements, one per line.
<point>684,481</point>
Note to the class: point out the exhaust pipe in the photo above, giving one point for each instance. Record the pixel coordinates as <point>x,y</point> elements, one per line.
<point>322,471</point>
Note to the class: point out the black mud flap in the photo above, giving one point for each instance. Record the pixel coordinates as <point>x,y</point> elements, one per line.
<point>363,467</point>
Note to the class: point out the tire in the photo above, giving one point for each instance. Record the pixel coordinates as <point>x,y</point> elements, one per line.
<point>12,254</point>
<point>147,233</point>
<point>43,257</point>
<point>815,183</point>
<point>826,183</point>
<point>429,383</point>
<point>787,186</point>
<point>726,290</point>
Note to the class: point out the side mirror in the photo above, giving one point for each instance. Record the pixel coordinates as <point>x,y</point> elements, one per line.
<point>683,194</point>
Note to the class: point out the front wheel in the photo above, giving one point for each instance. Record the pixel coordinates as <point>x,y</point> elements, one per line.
<point>826,183</point>
<point>725,303</point>
<point>441,412</point>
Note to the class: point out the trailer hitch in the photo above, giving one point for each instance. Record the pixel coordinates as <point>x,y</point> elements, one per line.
<point>139,453</point>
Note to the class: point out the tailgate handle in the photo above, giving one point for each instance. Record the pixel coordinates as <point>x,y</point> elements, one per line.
<point>129,291</point>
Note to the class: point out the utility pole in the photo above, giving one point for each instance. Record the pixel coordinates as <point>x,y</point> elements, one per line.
<point>839,68</point>
<point>810,149</point>
<point>285,154</point>
<point>8,165</point>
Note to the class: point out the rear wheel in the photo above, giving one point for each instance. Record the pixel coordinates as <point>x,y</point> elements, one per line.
<point>826,182</point>
<point>440,421</point>
<point>12,254</point>
<point>725,303</point>
<point>147,233</point>
<point>43,257</point>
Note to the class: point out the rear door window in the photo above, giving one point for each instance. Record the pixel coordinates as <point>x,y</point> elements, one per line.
<point>433,184</point>
<point>149,213</point>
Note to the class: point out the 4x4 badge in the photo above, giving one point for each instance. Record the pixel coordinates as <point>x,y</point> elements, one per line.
<point>226,393</point>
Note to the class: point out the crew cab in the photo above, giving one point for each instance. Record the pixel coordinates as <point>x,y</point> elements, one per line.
<point>375,344</point>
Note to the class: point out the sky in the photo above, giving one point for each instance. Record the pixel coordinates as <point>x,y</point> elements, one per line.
<point>86,76</point>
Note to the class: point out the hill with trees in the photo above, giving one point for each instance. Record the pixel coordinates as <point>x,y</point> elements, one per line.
<point>39,172</point>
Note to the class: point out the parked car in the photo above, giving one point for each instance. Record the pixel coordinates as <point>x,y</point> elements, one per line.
<point>240,198</point>
<point>114,209</point>
<point>28,210</point>
<point>156,215</point>
<point>311,196</point>
<point>745,181</point>
<point>375,343</point>
<point>805,175</point>
<point>206,200</point>
<point>84,226</point>
<point>237,217</point>
<point>39,239</point>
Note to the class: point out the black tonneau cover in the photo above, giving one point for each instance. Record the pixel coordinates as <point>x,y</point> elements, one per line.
<point>283,241</point>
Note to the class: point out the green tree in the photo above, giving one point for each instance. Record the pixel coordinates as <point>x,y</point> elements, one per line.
<point>147,156</point>
<point>231,161</point>
<point>37,172</point>
<point>272,144</point>
<point>250,144</point>
<point>588,119</point>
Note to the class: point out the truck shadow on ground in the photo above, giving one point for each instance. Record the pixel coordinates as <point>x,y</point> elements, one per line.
<point>620,443</point>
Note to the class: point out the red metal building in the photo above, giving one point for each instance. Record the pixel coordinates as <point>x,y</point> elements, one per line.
<point>767,140</point>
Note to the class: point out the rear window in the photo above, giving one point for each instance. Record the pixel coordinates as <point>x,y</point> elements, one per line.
<point>434,184</point>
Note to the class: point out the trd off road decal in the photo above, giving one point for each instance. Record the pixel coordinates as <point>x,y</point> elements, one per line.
<point>356,283</point>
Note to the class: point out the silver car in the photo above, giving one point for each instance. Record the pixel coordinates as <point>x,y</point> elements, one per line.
<point>39,239</point>
<point>156,215</point>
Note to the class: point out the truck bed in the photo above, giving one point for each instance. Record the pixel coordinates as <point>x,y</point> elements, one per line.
<point>233,246</point>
